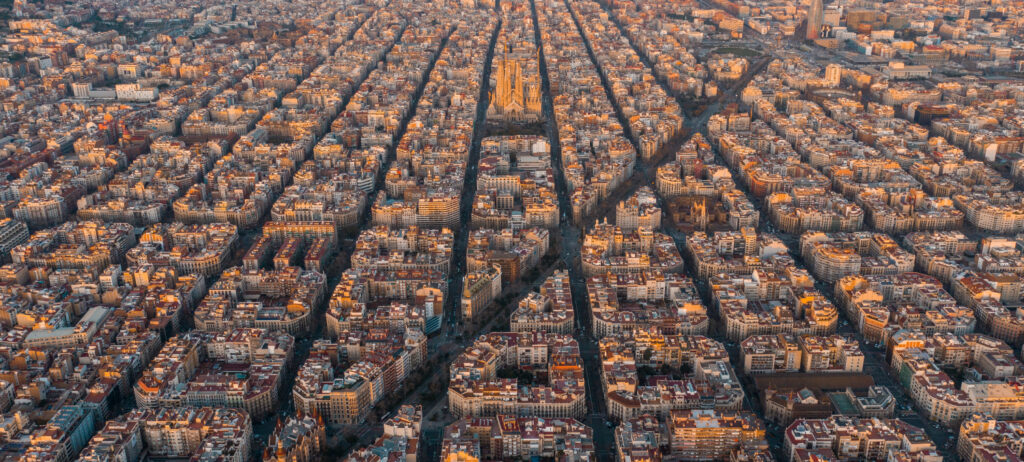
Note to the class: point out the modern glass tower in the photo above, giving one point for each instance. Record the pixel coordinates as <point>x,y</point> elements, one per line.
<point>814,19</point>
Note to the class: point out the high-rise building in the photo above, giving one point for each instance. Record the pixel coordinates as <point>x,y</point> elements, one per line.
<point>815,16</point>
<point>12,234</point>
<point>834,74</point>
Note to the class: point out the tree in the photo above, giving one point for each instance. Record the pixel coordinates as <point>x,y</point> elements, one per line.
<point>645,371</point>
<point>524,377</point>
<point>685,369</point>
